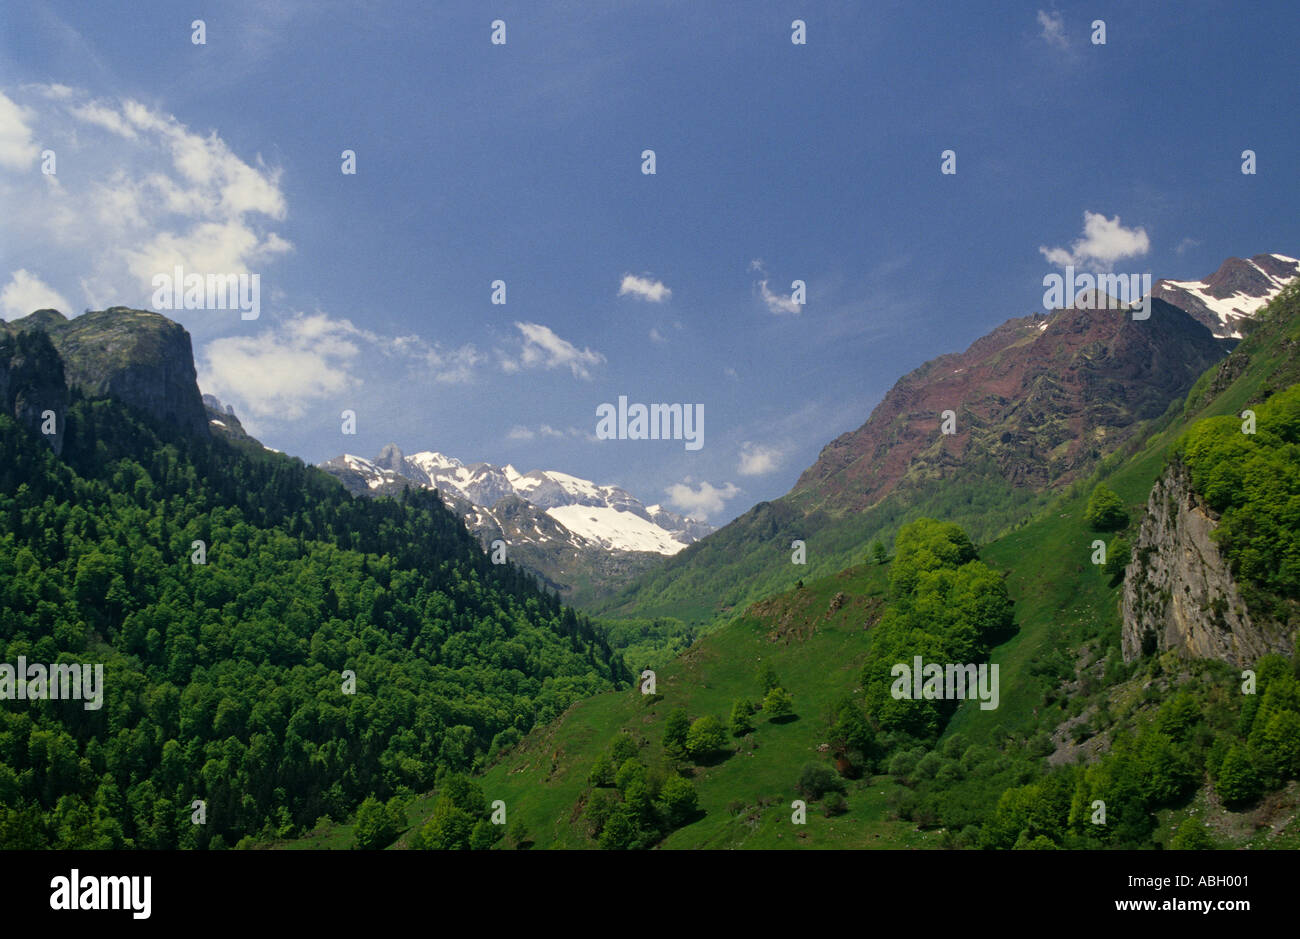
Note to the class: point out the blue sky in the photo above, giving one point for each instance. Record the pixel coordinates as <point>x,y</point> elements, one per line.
<point>522,162</point>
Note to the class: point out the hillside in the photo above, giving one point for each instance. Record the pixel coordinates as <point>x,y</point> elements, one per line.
<point>1157,739</point>
<point>1035,405</point>
<point>270,645</point>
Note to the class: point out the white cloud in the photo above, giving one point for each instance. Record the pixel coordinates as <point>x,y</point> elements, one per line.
<point>104,116</point>
<point>149,194</point>
<point>1104,242</point>
<point>445,366</point>
<point>278,373</point>
<point>1053,28</point>
<point>757,459</point>
<point>702,500</point>
<point>656,336</point>
<point>545,431</point>
<point>26,293</point>
<point>776,302</point>
<point>17,151</point>
<point>541,346</point>
<point>654,291</point>
<point>1186,245</point>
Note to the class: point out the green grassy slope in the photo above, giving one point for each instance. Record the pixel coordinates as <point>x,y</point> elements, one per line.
<point>1063,662</point>
<point>745,798</point>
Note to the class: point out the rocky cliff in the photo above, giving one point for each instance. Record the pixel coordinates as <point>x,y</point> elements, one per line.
<point>141,358</point>
<point>32,384</point>
<point>1178,590</point>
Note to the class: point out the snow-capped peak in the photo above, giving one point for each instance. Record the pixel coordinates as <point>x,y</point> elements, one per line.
<point>1238,290</point>
<point>604,516</point>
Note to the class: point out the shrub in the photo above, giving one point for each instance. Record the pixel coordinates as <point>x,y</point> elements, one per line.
<point>705,737</point>
<point>817,779</point>
<point>778,704</point>
<point>678,801</point>
<point>1105,511</point>
<point>741,710</point>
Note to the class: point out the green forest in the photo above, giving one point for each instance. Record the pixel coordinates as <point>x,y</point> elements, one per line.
<point>228,681</point>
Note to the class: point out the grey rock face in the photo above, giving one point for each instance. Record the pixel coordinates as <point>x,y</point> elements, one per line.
<point>1178,590</point>
<point>137,356</point>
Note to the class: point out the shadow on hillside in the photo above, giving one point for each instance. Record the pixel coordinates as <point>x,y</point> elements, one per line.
<point>692,818</point>
<point>716,757</point>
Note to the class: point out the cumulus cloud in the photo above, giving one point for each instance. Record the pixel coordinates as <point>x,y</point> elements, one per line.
<point>278,373</point>
<point>1053,25</point>
<point>149,193</point>
<point>542,347</point>
<point>17,150</point>
<point>701,500</point>
<point>1104,242</point>
<point>25,293</point>
<point>644,288</point>
<point>757,459</point>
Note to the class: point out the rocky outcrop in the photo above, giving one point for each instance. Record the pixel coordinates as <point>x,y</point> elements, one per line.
<point>141,358</point>
<point>222,420</point>
<point>32,388</point>
<point>1178,590</point>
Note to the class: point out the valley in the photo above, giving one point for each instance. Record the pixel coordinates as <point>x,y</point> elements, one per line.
<point>772,722</point>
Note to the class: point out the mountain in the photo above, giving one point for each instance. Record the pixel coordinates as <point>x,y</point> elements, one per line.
<point>581,538</point>
<point>138,357</point>
<point>1038,404</point>
<point>1226,301</point>
<point>223,422</point>
<point>1112,693</point>
<point>269,643</point>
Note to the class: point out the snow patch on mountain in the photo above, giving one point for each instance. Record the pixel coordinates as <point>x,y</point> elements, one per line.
<point>588,513</point>
<point>615,529</point>
<point>1235,292</point>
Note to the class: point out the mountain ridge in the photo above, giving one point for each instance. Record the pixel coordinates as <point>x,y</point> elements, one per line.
<point>581,538</point>
<point>1038,402</point>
